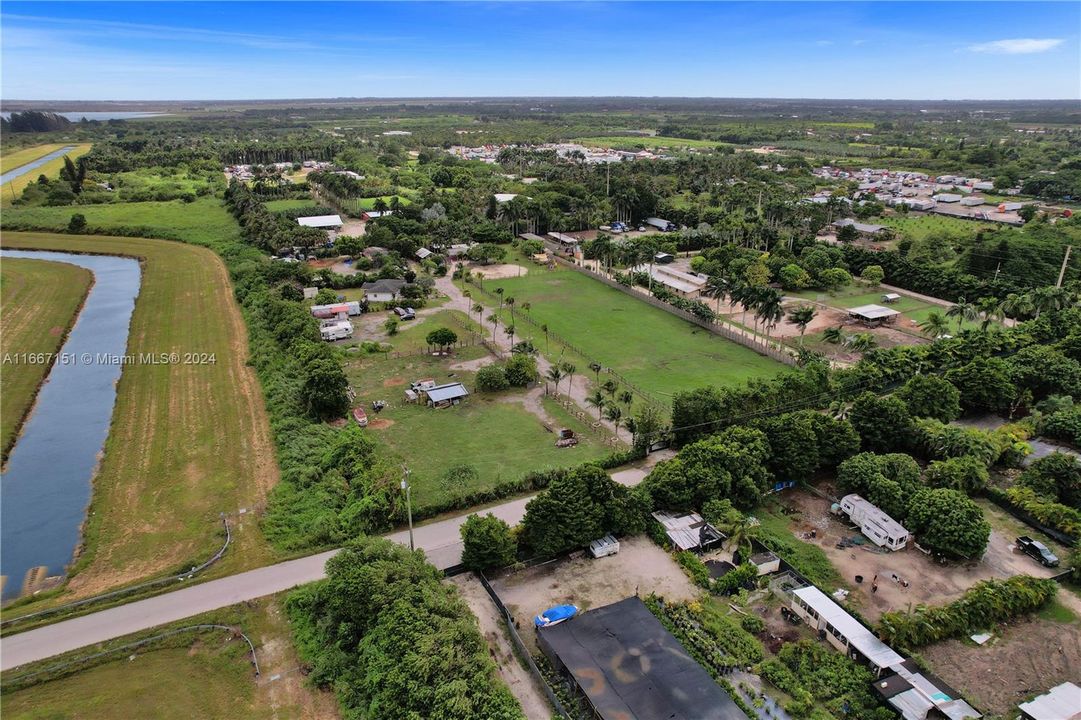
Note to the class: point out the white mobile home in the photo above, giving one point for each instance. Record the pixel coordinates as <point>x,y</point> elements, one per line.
<point>336,330</point>
<point>879,527</point>
<point>842,630</point>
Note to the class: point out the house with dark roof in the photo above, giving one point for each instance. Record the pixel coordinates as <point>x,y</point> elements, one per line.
<point>386,290</point>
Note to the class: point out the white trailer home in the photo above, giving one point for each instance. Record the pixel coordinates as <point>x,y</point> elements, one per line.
<point>336,330</point>
<point>879,527</point>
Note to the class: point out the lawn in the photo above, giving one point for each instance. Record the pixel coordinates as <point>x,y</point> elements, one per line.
<point>921,226</point>
<point>411,335</point>
<point>50,169</point>
<point>192,675</point>
<point>188,441</point>
<point>278,205</point>
<point>204,222</point>
<point>648,141</point>
<point>652,348</point>
<point>38,304</point>
<point>494,433</point>
<point>18,158</point>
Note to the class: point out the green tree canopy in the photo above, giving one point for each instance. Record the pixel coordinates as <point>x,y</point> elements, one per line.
<point>488,543</point>
<point>947,522</point>
<point>931,396</point>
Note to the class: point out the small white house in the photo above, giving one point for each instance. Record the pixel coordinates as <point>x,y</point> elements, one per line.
<point>386,290</point>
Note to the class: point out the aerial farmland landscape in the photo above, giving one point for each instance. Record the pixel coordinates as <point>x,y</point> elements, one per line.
<point>520,361</point>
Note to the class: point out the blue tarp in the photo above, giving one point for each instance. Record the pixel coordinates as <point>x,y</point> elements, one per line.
<point>553,615</point>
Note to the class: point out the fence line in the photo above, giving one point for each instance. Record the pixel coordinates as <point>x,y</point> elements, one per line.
<point>713,326</point>
<point>140,643</point>
<point>508,620</point>
<point>127,591</point>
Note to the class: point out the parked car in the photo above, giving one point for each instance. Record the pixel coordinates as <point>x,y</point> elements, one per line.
<point>406,313</point>
<point>555,615</point>
<point>1037,551</point>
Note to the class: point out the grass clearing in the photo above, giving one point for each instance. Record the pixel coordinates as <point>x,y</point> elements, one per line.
<point>500,434</point>
<point>204,675</point>
<point>50,170</point>
<point>188,441</point>
<point>913,310</point>
<point>38,305</point>
<point>279,205</point>
<point>652,348</point>
<point>203,222</point>
<point>922,226</point>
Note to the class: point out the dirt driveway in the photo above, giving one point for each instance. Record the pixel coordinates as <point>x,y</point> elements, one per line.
<point>640,567</point>
<point>520,681</point>
<point>929,582</point>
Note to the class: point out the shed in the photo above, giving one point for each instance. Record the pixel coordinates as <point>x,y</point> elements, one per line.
<point>890,297</point>
<point>1062,702</point>
<point>424,253</point>
<point>766,562</point>
<point>915,693</point>
<point>445,395</point>
<point>564,239</point>
<point>323,222</point>
<point>872,314</point>
<point>690,531</point>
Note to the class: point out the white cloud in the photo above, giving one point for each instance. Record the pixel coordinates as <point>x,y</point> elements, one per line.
<point>1016,46</point>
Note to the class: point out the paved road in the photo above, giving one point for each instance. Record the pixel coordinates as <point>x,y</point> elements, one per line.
<point>440,540</point>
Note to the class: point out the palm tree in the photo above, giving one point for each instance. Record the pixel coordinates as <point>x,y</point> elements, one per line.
<point>833,335</point>
<point>555,375</point>
<point>610,387</point>
<point>544,329</point>
<point>596,400</point>
<point>510,304</point>
<point>499,292</point>
<point>1018,305</point>
<point>527,307</point>
<point>770,310</point>
<point>1049,299</point>
<point>569,369</point>
<point>717,288</point>
<point>963,310</point>
<point>861,342</point>
<point>509,330</point>
<point>991,311</point>
<point>494,320</point>
<point>739,534</point>
<point>802,316</point>
<point>614,415</point>
<point>478,309</point>
<point>626,397</point>
<point>596,368</point>
<point>935,325</point>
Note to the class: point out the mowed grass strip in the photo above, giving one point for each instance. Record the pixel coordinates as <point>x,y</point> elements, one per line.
<point>18,158</point>
<point>51,170</point>
<point>188,439</point>
<point>38,305</point>
<point>652,348</point>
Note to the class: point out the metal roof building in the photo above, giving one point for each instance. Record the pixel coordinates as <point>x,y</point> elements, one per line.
<point>630,668</point>
<point>320,221</point>
<point>872,313</point>
<point>689,532</point>
<point>1062,702</point>
<point>914,693</point>
<point>446,393</point>
<point>843,630</point>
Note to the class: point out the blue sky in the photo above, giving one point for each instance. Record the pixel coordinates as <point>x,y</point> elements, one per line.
<point>235,50</point>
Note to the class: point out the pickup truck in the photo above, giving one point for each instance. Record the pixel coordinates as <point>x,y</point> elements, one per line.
<point>1037,551</point>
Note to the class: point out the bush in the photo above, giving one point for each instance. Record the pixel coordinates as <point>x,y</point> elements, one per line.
<point>931,396</point>
<point>947,522</point>
<point>1063,425</point>
<point>987,602</point>
<point>966,474</point>
<point>521,370</point>
<point>488,543</point>
<point>1048,512</point>
<point>491,378</point>
<point>752,624</point>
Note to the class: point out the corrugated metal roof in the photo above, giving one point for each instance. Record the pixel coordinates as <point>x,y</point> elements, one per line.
<point>859,637</point>
<point>1062,702</point>
<point>320,221</point>
<point>439,393</point>
<point>873,312</point>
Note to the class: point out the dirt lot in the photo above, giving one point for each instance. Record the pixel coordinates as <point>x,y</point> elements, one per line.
<point>520,681</point>
<point>1039,654</point>
<point>640,566</point>
<point>499,271</point>
<point>929,582</point>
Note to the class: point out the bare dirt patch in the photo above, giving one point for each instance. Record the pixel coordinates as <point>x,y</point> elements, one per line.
<point>928,581</point>
<point>520,681</point>
<point>498,272</point>
<point>639,568</point>
<point>1030,656</point>
<point>380,423</point>
<point>394,382</point>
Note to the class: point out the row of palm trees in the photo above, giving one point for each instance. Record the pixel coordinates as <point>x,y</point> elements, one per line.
<point>990,310</point>
<point>764,302</point>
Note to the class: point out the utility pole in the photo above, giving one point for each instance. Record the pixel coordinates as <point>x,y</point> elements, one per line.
<point>997,268</point>
<point>408,504</point>
<point>608,179</point>
<point>1062,270</point>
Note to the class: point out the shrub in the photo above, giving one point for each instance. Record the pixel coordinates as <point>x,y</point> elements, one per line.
<point>987,602</point>
<point>491,378</point>
<point>488,543</point>
<point>521,370</point>
<point>1063,425</point>
<point>965,473</point>
<point>948,523</point>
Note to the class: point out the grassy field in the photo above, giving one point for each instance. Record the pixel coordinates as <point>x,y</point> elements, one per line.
<point>18,158</point>
<point>188,441</point>
<point>648,141</point>
<point>650,347</point>
<point>38,304</point>
<point>497,433</point>
<point>277,205</point>
<point>204,221</point>
<point>911,308</point>
<point>919,227</point>
<point>205,675</point>
<point>50,169</point>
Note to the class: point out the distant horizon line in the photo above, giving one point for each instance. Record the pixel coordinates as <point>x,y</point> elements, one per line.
<point>482,98</point>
